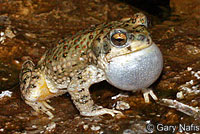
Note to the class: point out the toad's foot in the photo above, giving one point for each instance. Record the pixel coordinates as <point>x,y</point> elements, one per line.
<point>98,110</point>
<point>146,93</point>
<point>41,106</point>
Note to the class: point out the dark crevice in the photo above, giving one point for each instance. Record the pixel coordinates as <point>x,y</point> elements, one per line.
<point>159,8</point>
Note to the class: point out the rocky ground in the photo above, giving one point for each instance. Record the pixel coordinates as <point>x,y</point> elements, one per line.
<point>28,28</point>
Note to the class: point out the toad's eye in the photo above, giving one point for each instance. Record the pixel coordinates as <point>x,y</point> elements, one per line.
<point>119,38</point>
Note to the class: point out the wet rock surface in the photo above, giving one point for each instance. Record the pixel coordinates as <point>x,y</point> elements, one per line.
<point>28,28</point>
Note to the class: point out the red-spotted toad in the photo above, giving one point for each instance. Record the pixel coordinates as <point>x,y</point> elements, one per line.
<point>121,52</point>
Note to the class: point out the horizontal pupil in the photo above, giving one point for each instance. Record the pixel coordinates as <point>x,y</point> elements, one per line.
<point>119,39</point>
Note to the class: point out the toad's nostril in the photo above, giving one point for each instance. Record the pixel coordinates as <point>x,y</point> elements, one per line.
<point>141,37</point>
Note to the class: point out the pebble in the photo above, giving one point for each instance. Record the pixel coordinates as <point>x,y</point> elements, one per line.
<point>5,93</point>
<point>95,128</point>
<point>121,105</point>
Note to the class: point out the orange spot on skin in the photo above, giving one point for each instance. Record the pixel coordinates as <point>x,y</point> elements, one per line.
<point>65,47</point>
<point>76,41</point>
<point>77,46</point>
<point>54,57</point>
<point>81,42</point>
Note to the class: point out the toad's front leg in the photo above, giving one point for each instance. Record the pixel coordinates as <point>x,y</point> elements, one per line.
<point>79,91</point>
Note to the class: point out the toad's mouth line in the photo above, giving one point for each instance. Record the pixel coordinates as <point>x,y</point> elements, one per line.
<point>136,49</point>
